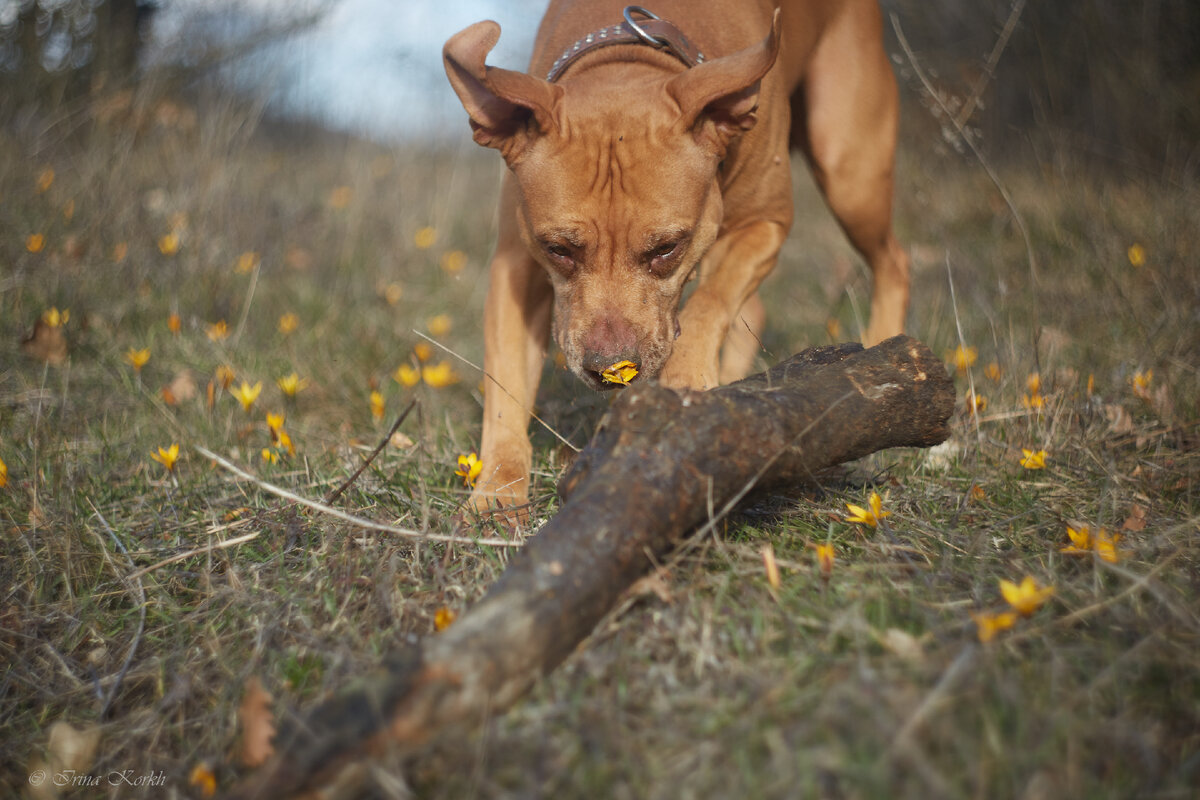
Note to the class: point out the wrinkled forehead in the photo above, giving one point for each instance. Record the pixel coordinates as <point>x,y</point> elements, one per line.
<point>614,156</point>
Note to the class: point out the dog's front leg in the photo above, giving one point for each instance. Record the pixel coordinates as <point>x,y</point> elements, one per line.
<point>729,275</point>
<point>516,325</point>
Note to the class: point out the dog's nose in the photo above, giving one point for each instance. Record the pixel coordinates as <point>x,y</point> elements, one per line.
<point>598,361</point>
<point>608,341</point>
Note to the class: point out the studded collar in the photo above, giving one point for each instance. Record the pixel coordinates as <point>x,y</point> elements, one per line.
<point>649,30</point>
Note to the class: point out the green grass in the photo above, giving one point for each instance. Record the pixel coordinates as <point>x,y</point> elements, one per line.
<point>869,684</point>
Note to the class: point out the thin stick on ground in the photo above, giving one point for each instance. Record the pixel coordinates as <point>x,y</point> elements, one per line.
<point>973,404</point>
<point>137,636</point>
<point>250,290</point>
<point>497,383</point>
<point>946,684</point>
<point>336,493</point>
<point>361,522</point>
<point>199,551</point>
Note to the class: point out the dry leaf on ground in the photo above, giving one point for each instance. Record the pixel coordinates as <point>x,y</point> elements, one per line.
<point>903,644</point>
<point>181,389</point>
<point>46,344</point>
<point>1136,520</point>
<point>68,751</point>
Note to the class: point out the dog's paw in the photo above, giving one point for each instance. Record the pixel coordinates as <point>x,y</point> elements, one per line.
<point>680,375</point>
<point>502,496</point>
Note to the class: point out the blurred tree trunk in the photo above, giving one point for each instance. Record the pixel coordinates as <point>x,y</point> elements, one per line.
<point>29,74</point>
<point>118,41</point>
<point>87,52</point>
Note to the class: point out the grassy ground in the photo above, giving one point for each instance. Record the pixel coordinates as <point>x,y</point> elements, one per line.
<point>123,610</point>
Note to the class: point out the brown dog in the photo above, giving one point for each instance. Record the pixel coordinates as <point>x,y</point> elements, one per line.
<point>643,152</point>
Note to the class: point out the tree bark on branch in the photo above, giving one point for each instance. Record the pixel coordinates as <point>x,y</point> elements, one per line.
<point>658,466</point>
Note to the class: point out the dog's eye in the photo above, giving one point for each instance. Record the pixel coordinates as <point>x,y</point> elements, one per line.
<point>561,256</point>
<point>662,259</point>
<point>664,250</point>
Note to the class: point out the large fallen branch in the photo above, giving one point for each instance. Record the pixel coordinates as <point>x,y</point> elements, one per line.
<point>658,466</point>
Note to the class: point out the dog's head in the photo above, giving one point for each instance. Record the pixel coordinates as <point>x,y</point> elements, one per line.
<point>617,182</point>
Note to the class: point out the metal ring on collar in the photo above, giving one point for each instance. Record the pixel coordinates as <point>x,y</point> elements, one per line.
<point>633,26</point>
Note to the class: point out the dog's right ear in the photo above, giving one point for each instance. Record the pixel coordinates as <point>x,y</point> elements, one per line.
<point>507,109</point>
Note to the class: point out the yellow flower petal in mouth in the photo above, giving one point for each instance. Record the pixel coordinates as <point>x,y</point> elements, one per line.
<point>621,373</point>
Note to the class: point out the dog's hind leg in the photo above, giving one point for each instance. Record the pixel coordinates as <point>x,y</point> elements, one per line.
<point>850,107</point>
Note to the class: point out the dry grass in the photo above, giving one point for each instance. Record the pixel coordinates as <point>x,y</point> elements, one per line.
<point>869,684</point>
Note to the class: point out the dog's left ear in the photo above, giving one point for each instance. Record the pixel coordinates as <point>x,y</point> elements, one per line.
<point>718,99</point>
<point>507,109</point>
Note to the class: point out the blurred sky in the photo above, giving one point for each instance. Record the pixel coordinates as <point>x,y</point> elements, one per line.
<point>372,67</point>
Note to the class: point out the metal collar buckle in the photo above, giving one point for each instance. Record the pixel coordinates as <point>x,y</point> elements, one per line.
<point>633,26</point>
